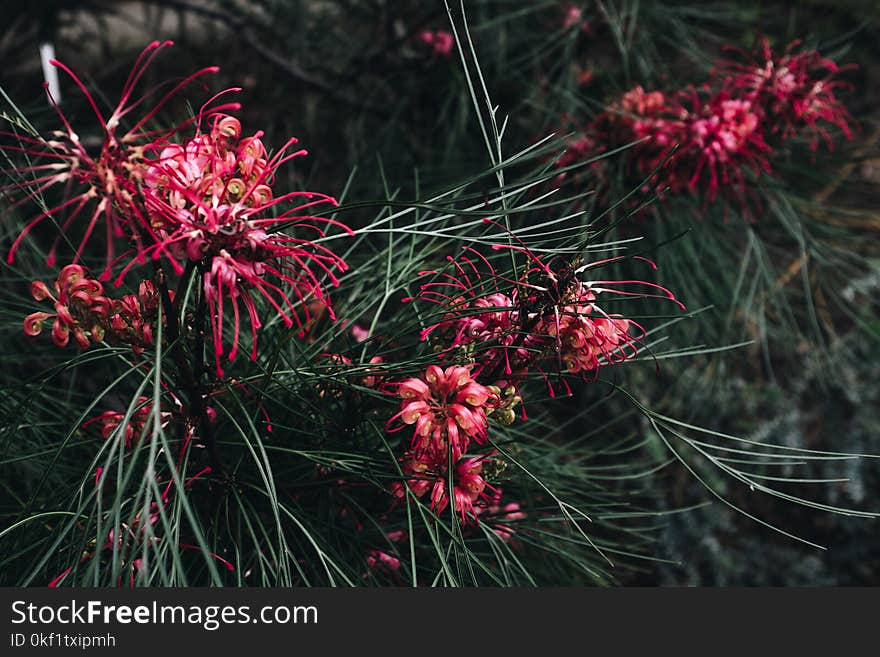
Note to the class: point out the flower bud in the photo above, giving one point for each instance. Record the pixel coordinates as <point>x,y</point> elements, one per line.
<point>33,323</point>
<point>229,127</point>
<point>70,274</point>
<point>64,315</point>
<point>261,195</point>
<point>82,340</point>
<point>39,291</point>
<point>60,333</point>
<point>235,189</point>
<point>97,332</point>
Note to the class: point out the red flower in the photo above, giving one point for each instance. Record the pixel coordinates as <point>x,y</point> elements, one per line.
<point>110,420</point>
<point>447,408</point>
<point>441,42</point>
<point>103,184</point>
<point>426,473</point>
<point>583,335</point>
<point>83,311</point>
<point>722,142</point>
<point>378,560</point>
<point>502,518</point>
<point>574,19</point>
<point>211,203</point>
<point>795,90</point>
<point>546,319</point>
<point>475,311</point>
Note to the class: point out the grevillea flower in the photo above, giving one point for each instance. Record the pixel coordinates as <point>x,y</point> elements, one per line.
<point>426,473</point>
<point>719,139</point>
<point>648,122</point>
<point>722,143</point>
<point>441,42</point>
<point>795,90</point>
<point>206,204</point>
<point>721,130</point>
<point>210,203</point>
<point>379,560</point>
<point>548,319</point>
<point>586,339</point>
<point>649,114</point>
<point>134,428</point>
<point>574,18</point>
<point>502,518</point>
<point>100,185</point>
<point>475,312</point>
<point>447,408</point>
<point>127,539</point>
<point>84,312</point>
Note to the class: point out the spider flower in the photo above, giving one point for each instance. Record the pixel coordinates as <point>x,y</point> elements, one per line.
<point>134,428</point>
<point>424,473</point>
<point>547,319</point>
<point>719,137</point>
<point>584,337</point>
<point>723,142</point>
<point>447,408</point>
<point>100,184</point>
<point>211,204</point>
<point>476,313</point>
<point>795,89</point>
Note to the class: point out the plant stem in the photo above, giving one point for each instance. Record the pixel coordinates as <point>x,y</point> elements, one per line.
<point>190,374</point>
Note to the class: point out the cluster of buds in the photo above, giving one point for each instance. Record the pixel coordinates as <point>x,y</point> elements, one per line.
<point>424,474</point>
<point>85,313</point>
<point>379,560</point>
<point>720,129</point>
<point>447,408</point>
<point>502,518</point>
<point>574,19</point>
<point>109,421</point>
<point>440,42</point>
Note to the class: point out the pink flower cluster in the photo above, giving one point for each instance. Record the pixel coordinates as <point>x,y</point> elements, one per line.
<point>104,185</point>
<point>84,312</point>
<point>574,18</point>
<point>447,408</point>
<point>547,320</point>
<point>206,204</point>
<point>586,340</point>
<point>796,90</point>
<point>424,474</point>
<point>134,428</point>
<point>440,42</point>
<point>721,128</point>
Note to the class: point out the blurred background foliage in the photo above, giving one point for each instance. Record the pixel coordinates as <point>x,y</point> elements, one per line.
<point>800,282</point>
